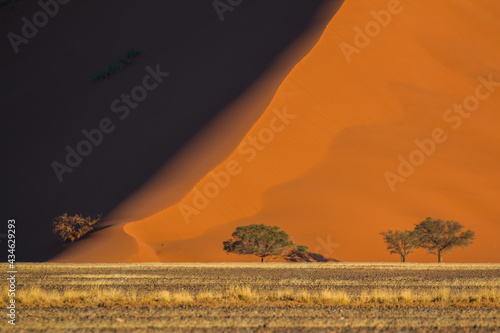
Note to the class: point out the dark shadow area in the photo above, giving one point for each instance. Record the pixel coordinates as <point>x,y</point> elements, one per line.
<point>47,97</point>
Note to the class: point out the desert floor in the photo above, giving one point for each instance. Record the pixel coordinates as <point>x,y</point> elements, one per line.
<point>269,297</point>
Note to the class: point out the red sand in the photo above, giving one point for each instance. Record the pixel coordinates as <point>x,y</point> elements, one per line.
<point>320,176</point>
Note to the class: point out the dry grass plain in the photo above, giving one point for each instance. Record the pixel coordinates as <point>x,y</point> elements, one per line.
<point>271,297</point>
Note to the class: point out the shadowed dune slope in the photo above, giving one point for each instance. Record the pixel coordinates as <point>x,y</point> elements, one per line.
<point>47,98</point>
<point>317,161</point>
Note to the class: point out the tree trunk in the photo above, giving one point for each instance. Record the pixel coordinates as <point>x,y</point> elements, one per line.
<point>440,256</point>
<point>403,258</point>
<point>261,259</point>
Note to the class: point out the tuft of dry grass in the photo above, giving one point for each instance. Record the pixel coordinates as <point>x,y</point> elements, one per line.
<point>334,296</point>
<point>243,293</point>
<point>182,297</point>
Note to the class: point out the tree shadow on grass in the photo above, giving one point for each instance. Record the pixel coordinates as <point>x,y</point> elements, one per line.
<point>311,257</point>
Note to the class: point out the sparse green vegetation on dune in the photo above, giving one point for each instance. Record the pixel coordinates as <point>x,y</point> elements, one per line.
<point>10,3</point>
<point>118,66</point>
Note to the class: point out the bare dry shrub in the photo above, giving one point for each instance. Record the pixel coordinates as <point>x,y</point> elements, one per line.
<point>72,228</point>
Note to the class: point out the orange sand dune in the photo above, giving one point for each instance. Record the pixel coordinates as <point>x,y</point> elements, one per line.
<point>318,159</point>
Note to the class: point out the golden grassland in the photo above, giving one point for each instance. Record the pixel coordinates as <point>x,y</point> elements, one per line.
<point>271,284</point>
<point>255,297</point>
<point>238,295</point>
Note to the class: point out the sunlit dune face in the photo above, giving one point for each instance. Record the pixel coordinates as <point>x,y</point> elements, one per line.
<point>362,136</point>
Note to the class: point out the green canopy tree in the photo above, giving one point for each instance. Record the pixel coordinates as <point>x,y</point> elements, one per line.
<point>439,236</point>
<point>401,243</point>
<point>262,241</point>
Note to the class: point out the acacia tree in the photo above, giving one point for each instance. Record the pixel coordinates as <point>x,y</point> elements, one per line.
<point>262,241</point>
<point>400,242</point>
<point>439,237</point>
